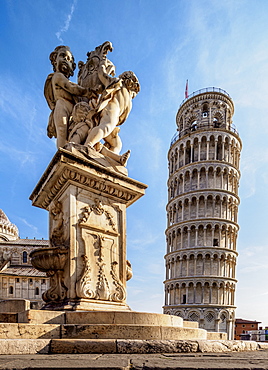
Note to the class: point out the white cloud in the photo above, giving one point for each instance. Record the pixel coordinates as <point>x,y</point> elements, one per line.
<point>254,167</point>
<point>145,239</point>
<point>67,22</point>
<point>32,227</point>
<point>20,156</point>
<point>19,107</point>
<point>252,260</point>
<point>157,268</point>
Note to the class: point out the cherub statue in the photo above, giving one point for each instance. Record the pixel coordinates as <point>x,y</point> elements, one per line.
<point>82,123</point>
<point>90,111</point>
<point>61,94</point>
<point>113,109</point>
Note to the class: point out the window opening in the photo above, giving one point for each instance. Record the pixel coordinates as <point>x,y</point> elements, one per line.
<point>215,242</point>
<point>216,123</point>
<point>188,155</point>
<point>193,126</point>
<point>24,257</point>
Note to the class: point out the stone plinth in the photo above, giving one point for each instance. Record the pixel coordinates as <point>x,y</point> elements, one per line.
<point>86,196</point>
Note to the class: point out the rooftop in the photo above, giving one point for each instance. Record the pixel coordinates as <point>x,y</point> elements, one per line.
<point>23,271</point>
<point>40,242</point>
<point>206,90</point>
<point>242,321</point>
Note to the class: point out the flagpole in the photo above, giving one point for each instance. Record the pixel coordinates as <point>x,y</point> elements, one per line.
<point>186,90</point>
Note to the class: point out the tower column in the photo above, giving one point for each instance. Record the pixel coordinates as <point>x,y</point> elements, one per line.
<point>197,207</point>
<point>195,259</point>
<point>187,265</point>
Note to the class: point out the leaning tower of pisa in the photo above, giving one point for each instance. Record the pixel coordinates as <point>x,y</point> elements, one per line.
<point>202,212</point>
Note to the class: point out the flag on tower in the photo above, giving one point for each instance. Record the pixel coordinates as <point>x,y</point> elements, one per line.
<point>186,90</point>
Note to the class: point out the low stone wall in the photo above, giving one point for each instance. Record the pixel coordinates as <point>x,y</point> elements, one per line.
<point>14,305</point>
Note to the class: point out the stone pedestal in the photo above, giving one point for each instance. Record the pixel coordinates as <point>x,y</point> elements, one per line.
<point>86,195</point>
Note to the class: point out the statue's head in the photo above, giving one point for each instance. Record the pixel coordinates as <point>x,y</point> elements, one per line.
<point>80,112</point>
<point>63,60</point>
<point>130,81</point>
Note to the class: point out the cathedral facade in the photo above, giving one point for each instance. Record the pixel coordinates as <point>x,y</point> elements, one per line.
<point>202,212</point>
<point>18,278</point>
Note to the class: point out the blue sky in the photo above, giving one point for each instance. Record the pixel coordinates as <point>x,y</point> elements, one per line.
<point>210,43</point>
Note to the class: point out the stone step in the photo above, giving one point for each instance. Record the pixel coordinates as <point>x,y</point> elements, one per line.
<point>59,346</point>
<point>8,317</point>
<point>190,324</point>
<point>216,335</point>
<point>101,317</point>
<point>100,324</point>
<point>14,305</point>
<point>42,317</point>
<point>122,346</point>
<point>128,331</point>
<point>29,331</point>
<point>98,331</point>
<point>24,346</point>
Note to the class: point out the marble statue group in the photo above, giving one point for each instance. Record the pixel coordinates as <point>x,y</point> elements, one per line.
<point>86,188</point>
<point>88,114</point>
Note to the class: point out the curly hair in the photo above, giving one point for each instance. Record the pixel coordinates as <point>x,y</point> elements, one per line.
<point>53,57</point>
<point>130,81</point>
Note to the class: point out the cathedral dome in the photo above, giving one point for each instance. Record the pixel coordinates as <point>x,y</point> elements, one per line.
<point>8,231</point>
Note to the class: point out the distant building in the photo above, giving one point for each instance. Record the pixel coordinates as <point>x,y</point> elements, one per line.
<point>18,278</point>
<point>242,327</point>
<point>260,335</point>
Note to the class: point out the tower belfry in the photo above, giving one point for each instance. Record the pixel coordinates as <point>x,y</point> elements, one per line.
<point>202,212</point>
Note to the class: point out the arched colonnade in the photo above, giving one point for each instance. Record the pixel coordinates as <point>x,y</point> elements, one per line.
<point>200,264</point>
<point>205,205</point>
<point>205,147</point>
<point>202,177</point>
<point>201,235</point>
<point>200,292</point>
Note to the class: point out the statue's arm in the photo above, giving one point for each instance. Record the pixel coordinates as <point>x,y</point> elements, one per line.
<point>61,81</point>
<point>104,74</point>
